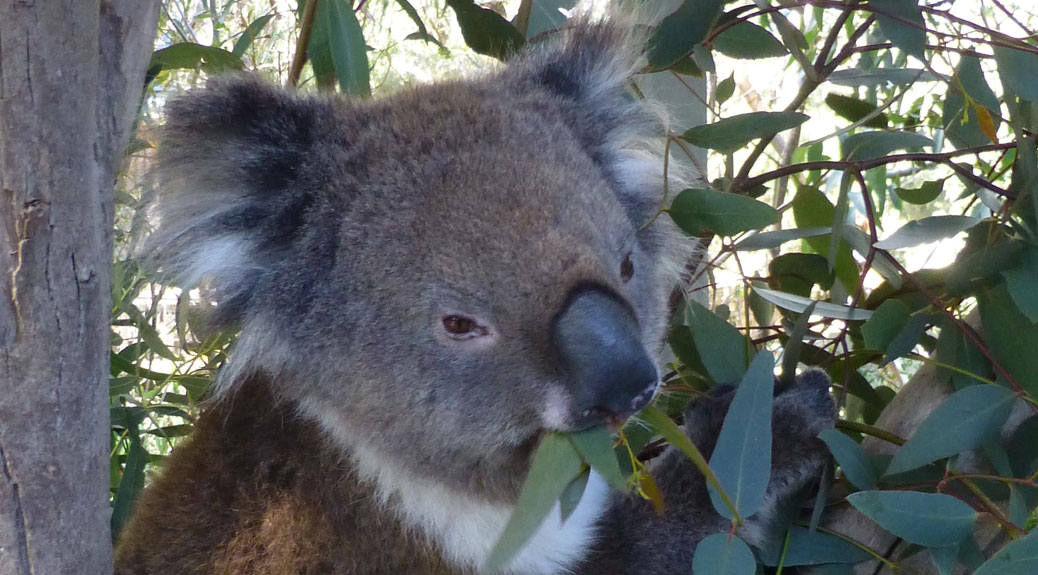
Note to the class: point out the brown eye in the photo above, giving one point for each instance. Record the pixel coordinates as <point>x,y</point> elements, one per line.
<point>461,327</point>
<point>626,268</point>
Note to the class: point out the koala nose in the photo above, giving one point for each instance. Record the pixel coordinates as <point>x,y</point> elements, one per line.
<point>600,344</point>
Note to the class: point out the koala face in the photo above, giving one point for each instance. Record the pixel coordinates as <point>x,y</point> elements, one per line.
<point>440,276</point>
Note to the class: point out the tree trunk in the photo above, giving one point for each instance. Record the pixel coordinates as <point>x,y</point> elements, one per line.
<point>71,73</point>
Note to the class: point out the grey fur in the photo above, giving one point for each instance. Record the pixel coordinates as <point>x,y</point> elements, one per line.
<point>345,232</point>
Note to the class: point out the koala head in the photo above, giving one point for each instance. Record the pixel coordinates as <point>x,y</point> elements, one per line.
<point>438,276</point>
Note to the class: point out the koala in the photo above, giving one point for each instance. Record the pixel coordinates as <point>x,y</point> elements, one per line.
<point>424,285</point>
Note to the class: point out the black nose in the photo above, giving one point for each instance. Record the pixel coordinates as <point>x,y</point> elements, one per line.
<point>598,338</point>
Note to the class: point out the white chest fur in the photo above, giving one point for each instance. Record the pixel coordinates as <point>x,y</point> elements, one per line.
<point>465,529</point>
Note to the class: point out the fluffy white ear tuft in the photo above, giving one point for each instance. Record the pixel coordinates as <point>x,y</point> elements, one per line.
<point>229,203</point>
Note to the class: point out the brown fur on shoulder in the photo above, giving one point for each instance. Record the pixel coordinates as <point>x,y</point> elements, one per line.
<point>258,490</point>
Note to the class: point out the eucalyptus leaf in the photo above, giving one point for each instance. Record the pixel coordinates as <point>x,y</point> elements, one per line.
<point>1019,557</point>
<point>722,348</point>
<point>876,144</point>
<point>926,230</point>
<point>854,109</point>
<point>130,486</point>
<point>748,41</point>
<point>1010,336</point>
<point>902,22</point>
<point>806,547</point>
<point>680,32</point>
<point>595,445</point>
<point>965,421</point>
<point>927,519</point>
<point>771,240</point>
<point>881,77</point>
<point>553,467</point>
<point>851,458</point>
<point>723,554</point>
<point>742,456</point>
<point>924,194</point>
<point>1019,70</point>
<point>699,212</point>
<point>798,304</point>
<point>486,31</point>
<point>346,47</point>
<point>1022,282</point>
<point>188,55</point>
<point>252,31</point>
<point>730,134</point>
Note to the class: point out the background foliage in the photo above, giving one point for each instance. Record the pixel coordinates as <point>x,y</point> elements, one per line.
<point>868,207</point>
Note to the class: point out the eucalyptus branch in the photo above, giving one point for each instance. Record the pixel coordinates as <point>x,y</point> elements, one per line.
<point>862,165</point>
<point>306,27</point>
<point>870,430</point>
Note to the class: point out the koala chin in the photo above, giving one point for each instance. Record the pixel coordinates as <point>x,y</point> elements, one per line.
<point>424,285</point>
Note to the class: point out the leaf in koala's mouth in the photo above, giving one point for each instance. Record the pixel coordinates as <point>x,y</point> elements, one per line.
<point>554,465</point>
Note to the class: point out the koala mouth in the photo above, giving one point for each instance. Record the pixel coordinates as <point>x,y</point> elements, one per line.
<point>612,416</point>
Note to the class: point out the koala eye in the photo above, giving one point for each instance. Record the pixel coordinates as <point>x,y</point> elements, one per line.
<point>626,268</point>
<point>460,327</point>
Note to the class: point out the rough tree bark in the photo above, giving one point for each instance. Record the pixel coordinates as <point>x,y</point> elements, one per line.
<point>70,81</point>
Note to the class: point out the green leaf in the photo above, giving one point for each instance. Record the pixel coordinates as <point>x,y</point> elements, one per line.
<point>771,240</point>
<point>190,56</point>
<point>723,554</point>
<point>423,32</point>
<point>1019,557</point>
<point>1022,280</point>
<point>853,109</point>
<point>486,31</point>
<point>886,322</point>
<point>595,445</point>
<point>345,38</point>
<point>969,80</point>
<point>252,31</point>
<point>676,437</point>
<point>806,547</point>
<point>130,485</point>
<point>748,41</point>
<point>554,465</point>
<point>872,145</point>
<point>798,304</point>
<point>798,273</point>
<point>965,421</point>
<point>573,493</point>
<point>732,133</point>
<point>680,32</point>
<point>944,558</point>
<point>1019,70</point>
<point>926,230</point>
<point>700,212</point>
<point>1010,336</point>
<point>794,345</point>
<point>723,349</point>
<point>970,76</point>
<point>874,78</point>
<point>851,458</point>
<point>902,22</point>
<point>956,350</point>
<point>725,89</point>
<point>928,519</point>
<point>924,194</point>
<point>812,209</point>
<point>547,15</point>
<point>742,456</point>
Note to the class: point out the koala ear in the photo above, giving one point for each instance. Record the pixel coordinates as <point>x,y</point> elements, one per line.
<point>232,162</point>
<point>588,70</point>
<point>587,67</point>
